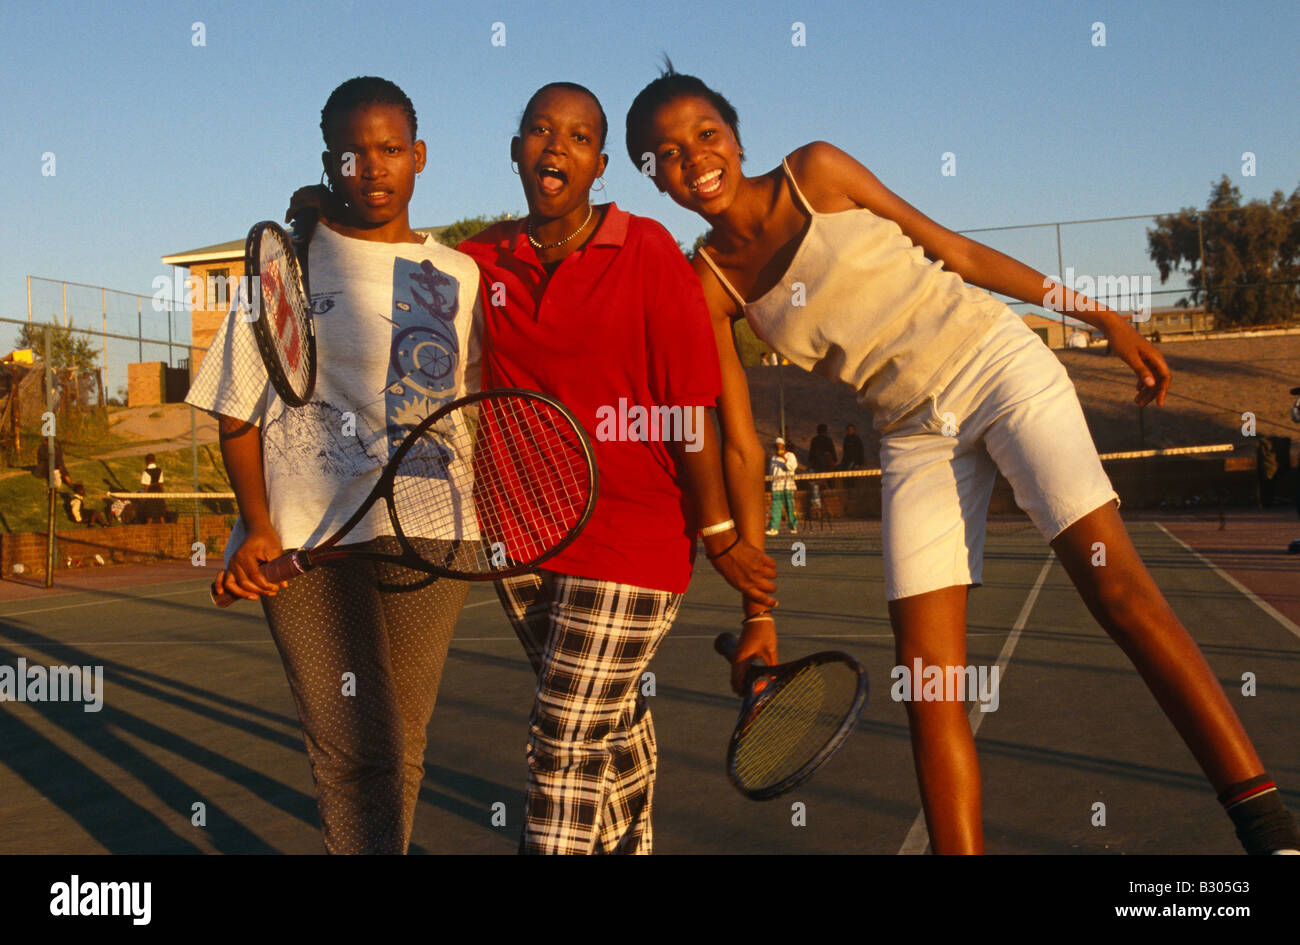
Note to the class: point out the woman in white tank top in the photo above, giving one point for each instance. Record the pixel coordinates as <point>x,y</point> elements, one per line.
<point>831,270</point>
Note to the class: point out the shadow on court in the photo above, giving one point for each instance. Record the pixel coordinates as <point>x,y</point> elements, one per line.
<point>196,712</point>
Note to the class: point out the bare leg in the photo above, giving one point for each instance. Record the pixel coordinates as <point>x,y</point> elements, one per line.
<point>932,626</point>
<point>1130,608</point>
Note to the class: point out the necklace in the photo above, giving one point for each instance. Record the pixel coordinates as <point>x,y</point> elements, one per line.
<point>536,245</point>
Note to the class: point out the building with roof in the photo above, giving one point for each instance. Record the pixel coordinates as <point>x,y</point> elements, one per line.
<point>214,271</point>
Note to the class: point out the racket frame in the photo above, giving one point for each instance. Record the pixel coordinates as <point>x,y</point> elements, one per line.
<point>754,703</point>
<point>262,330</point>
<point>300,560</point>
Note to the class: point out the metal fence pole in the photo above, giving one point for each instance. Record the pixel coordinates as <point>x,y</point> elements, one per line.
<point>1200,243</point>
<point>52,460</point>
<point>780,379</point>
<point>103,318</point>
<point>1060,267</point>
<point>194,452</point>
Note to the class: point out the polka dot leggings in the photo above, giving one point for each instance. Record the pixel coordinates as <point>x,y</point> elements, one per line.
<point>363,645</point>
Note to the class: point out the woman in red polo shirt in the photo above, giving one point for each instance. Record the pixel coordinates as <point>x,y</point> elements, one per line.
<point>600,309</point>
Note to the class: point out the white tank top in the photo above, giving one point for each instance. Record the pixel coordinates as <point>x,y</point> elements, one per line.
<point>860,303</point>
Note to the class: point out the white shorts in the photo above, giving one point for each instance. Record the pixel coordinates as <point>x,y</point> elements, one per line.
<point>1012,408</point>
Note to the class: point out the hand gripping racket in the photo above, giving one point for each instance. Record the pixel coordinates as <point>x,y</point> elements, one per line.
<point>280,311</point>
<point>489,486</point>
<point>793,718</point>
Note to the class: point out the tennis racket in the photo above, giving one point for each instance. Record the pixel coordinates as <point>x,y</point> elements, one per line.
<point>279,308</point>
<point>793,718</point>
<point>487,487</point>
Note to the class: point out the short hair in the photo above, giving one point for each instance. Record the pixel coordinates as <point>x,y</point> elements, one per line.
<point>364,90</point>
<point>569,87</point>
<point>149,458</point>
<point>670,86</point>
<point>821,429</point>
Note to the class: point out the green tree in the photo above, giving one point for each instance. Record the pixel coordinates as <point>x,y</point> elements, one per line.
<point>462,229</point>
<point>1251,266</point>
<point>69,350</point>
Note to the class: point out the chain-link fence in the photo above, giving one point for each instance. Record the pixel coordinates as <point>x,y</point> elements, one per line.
<point>73,461</point>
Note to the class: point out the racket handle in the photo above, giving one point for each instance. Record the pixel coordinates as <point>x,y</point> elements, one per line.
<point>277,570</point>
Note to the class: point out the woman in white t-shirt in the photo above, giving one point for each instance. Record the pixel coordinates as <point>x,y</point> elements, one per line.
<point>363,643</point>
<point>830,268</point>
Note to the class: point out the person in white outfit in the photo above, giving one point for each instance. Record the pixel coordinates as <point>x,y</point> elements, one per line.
<point>781,468</point>
<point>842,277</point>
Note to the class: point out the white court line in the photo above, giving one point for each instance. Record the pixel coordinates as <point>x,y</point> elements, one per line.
<point>97,603</point>
<point>1263,605</point>
<point>918,838</point>
<point>127,600</point>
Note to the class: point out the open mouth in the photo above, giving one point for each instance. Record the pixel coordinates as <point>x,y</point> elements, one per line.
<point>551,180</point>
<point>707,184</point>
<point>376,198</point>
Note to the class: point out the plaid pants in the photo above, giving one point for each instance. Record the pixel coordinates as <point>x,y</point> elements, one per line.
<point>591,742</point>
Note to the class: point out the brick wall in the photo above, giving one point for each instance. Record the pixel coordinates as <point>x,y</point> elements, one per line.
<point>146,383</point>
<point>116,544</point>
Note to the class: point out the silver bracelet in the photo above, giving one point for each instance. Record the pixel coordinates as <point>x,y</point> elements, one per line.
<point>718,528</point>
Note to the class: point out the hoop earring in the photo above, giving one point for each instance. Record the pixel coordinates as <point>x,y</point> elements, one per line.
<point>514,167</point>
<point>601,187</point>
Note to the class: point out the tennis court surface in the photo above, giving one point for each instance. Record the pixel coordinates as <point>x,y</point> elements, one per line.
<point>196,711</point>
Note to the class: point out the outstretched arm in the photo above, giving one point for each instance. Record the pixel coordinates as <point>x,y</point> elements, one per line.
<point>743,465</point>
<point>834,179</point>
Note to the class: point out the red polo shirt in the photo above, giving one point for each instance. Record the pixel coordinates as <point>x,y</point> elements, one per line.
<point>622,318</point>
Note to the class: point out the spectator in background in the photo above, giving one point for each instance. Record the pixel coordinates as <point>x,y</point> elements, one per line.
<point>120,511</point>
<point>821,451</point>
<point>61,477</point>
<point>82,515</point>
<point>854,457</point>
<point>781,468</point>
<point>151,479</point>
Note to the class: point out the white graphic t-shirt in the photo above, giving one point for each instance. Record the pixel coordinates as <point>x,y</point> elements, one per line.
<point>398,328</point>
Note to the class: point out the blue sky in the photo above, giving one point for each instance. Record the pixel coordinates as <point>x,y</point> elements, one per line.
<point>161,145</point>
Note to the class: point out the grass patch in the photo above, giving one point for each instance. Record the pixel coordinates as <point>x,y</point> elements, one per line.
<point>23,498</point>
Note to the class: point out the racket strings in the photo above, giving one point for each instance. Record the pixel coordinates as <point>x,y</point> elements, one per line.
<point>286,311</point>
<point>507,473</point>
<point>793,727</point>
